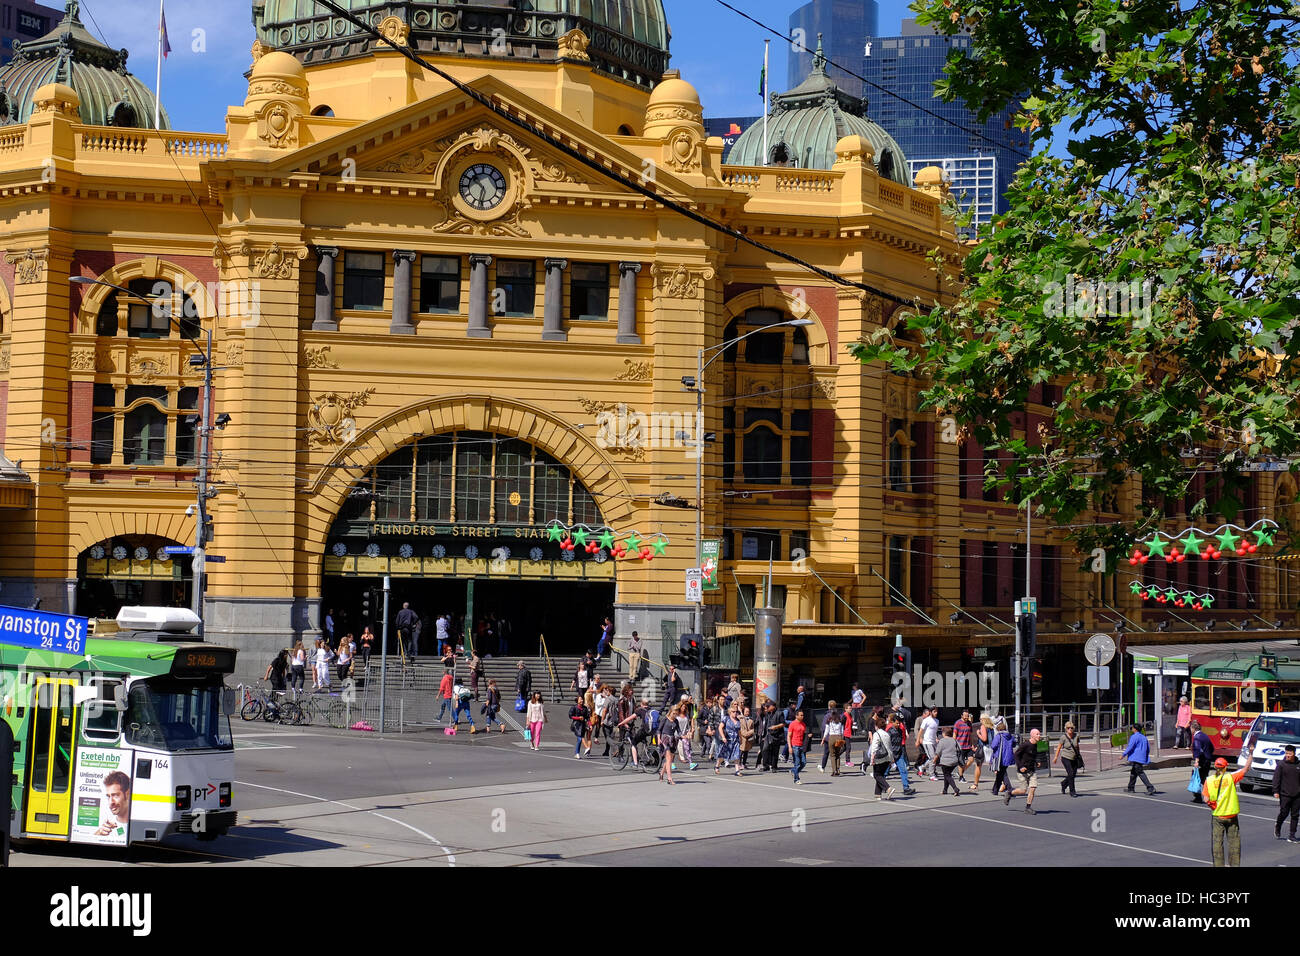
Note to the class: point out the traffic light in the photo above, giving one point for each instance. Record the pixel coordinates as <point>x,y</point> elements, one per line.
<point>1027,624</point>
<point>365,604</point>
<point>689,645</point>
<point>902,660</point>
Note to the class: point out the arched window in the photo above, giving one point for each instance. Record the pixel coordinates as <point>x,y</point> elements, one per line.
<point>125,116</point>
<point>144,437</point>
<point>625,130</point>
<point>144,321</point>
<point>322,110</point>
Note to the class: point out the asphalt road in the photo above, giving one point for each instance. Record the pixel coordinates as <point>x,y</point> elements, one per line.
<point>309,797</point>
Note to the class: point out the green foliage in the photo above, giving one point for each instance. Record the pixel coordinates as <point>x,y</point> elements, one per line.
<point>1181,186</point>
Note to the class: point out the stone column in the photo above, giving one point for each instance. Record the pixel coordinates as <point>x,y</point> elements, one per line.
<point>402,293</point>
<point>325,321</point>
<point>553,308</point>
<point>478,297</point>
<point>627,273</point>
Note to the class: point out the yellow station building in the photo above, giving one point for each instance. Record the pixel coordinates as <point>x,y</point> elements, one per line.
<point>438,337</point>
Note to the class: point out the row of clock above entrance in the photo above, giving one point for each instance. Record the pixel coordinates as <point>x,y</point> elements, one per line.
<point>497,287</point>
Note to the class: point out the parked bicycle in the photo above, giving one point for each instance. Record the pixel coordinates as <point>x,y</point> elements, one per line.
<point>621,749</point>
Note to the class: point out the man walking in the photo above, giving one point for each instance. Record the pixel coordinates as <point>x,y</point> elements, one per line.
<point>1138,755</point>
<point>1220,792</point>
<point>606,639</point>
<point>442,627</point>
<point>856,700</point>
<point>406,621</point>
<point>773,737</point>
<point>1026,761</point>
<point>634,656</point>
<point>961,731</point>
<point>1286,787</point>
<point>897,734</point>
<point>446,688</point>
<point>1203,754</point>
<point>672,687</point>
<point>927,739</point>
<point>523,682</point>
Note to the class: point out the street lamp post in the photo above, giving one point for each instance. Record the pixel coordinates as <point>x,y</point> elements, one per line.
<point>204,492</point>
<point>698,387</point>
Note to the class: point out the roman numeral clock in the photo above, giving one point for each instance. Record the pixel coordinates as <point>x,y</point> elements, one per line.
<point>482,187</point>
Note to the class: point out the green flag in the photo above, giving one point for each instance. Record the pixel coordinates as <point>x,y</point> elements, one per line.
<point>762,84</point>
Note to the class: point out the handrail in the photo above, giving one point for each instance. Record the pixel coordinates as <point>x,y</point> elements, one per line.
<point>628,657</point>
<point>550,667</point>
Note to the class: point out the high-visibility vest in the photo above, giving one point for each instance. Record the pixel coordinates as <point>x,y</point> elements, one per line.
<point>1223,791</point>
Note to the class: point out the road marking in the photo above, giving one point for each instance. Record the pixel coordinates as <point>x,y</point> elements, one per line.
<point>1008,823</point>
<point>1192,806</point>
<point>451,858</point>
<point>803,861</point>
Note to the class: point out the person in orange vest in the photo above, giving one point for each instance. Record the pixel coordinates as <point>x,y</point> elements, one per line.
<point>1220,792</point>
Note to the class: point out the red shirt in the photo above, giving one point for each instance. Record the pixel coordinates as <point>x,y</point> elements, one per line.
<point>444,686</point>
<point>798,732</point>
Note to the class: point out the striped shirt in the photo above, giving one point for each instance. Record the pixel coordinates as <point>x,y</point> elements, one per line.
<point>961,731</point>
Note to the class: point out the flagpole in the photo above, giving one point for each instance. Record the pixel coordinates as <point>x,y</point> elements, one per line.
<point>765,49</point>
<point>157,88</point>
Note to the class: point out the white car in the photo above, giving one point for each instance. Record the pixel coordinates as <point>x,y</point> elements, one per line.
<point>1269,735</point>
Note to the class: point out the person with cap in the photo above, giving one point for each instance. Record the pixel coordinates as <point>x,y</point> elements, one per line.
<point>1286,787</point>
<point>1203,754</point>
<point>1026,763</point>
<point>1138,755</point>
<point>1183,724</point>
<point>1220,792</point>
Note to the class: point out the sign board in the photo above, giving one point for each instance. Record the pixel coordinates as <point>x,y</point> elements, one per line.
<point>1098,678</point>
<point>1266,466</point>
<point>179,549</point>
<point>101,807</point>
<point>1027,606</point>
<point>710,557</point>
<point>694,585</point>
<point>42,631</point>
<point>1099,649</point>
<point>214,559</point>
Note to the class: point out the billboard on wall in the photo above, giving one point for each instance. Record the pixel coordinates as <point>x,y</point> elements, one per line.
<point>710,554</point>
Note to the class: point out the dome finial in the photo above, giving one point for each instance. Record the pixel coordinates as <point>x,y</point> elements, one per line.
<point>72,11</point>
<point>819,58</point>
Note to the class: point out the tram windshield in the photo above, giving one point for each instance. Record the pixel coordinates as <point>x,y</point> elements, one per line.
<point>177,715</point>
<point>1281,729</point>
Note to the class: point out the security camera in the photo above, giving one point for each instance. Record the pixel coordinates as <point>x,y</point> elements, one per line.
<point>189,512</point>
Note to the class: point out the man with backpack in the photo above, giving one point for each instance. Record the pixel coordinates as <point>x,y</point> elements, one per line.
<point>463,696</point>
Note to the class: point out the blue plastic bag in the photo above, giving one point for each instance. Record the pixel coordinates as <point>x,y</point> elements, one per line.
<point>1194,784</point>
<point>521,705</point>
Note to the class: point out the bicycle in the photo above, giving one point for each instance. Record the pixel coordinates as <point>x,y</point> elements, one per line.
<point>255,701</point>
<point>326,706</point>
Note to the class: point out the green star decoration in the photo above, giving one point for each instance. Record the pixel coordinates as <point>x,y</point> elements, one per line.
<point>1191,544</point>
<point>1171,593</point>
<point>660,546</point>
<point>1207,599</point>
<point>607,540</point>
<point>580,537</point>
<point>554,533</point>
<point>1135,587</point>
<point>1156,547</point>
<point>1263,536</point>
<point>1228,540</point>
<point>633,542</point>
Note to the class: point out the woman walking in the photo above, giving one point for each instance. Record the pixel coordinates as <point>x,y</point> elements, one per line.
<point>579,717</point>
<point>1004,755</point>
<point>475,672</point>
<point>536,719</point>
<point>367,644</point>
<point>982,751</point>
<point>298,666</point>
<point>492,709</point>
<point>726,742</point>
<point>347,650</point>
<point>880,756</point>
<point>833,736</point>
<point>668,743</point>
<point>277,670</point>
<point>323,657</point>
<point>746,738</point>
<point>1067,753</point>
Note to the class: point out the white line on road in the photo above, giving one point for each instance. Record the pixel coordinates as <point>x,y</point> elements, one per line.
<point>1006,823</point>
<point>451,858</point>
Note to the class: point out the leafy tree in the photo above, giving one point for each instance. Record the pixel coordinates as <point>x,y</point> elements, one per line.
<point>1153,272</point>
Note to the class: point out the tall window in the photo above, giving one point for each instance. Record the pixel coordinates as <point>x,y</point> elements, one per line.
<point>101,429</point>
<point>589,291</point>
<point>363,281</point>
<point>762,454</point>
<point>989,575</point>
<point>513,481</point>
<point>898,561</point>
<point>550,490</point>
<point>473,476</point>
<point>433,478</point>
<point>144,440</point>
<point>187,427</point>
<point>440,284</point>
<point>899,443</point>
<point>393,487</point>
<point>517,285</point>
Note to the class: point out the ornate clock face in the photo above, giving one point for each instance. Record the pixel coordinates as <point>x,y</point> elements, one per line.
<point>482,186</point>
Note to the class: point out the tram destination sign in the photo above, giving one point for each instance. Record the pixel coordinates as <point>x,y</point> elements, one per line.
<point>43,631</point>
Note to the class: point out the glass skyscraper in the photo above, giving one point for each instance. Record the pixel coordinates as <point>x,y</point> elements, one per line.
<point>845,25</point>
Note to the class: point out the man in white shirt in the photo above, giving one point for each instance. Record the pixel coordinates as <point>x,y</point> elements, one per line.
<point>927,738</point>
<point>442,632</point>
<point>856,700</point>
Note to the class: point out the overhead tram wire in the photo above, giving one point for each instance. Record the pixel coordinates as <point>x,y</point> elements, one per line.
<point>888,92</point>
<point>618,177</point>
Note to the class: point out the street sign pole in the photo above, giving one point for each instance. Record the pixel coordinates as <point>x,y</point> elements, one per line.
<point>383,662</point>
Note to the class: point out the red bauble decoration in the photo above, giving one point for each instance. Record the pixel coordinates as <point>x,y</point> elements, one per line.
<point>1252,548</point>
<point>1145,595</point>
<point>647,554</point>
<point>1179,602</point>
<point>1144,558</point>
<point>1169,558</point>
<point>566,544</point>
<point>1197,605</point>
<point>1133,560</point>
<point>1181,557</point>
<point>1216,554</point>
<point>1241,551</point>
<point>1208,553</point>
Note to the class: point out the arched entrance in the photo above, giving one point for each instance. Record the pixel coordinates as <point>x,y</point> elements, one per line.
<point>129,570</point>
<point>462,524</point>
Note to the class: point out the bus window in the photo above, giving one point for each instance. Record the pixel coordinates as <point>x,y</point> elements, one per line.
<point>1285,699</point>
<point>103,720</point>
<point>1225,700</point>
<point>1201,698</point>
<point>177,716</point>
<point>1252,699</point>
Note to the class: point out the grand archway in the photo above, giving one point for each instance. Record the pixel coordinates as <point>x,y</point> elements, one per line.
<point>467,523</point>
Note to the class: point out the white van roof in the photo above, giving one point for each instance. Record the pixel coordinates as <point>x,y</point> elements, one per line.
<point>175,620</point>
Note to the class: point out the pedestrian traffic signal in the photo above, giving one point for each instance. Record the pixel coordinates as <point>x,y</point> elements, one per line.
<point>365,603</point>
<point>689,644</point>
<point>1027,625</point>
<point>902,661</point>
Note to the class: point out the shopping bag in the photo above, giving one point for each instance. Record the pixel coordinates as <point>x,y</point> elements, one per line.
<point>520,705</point>
<point>1194,784</point>
<point>528,733</point>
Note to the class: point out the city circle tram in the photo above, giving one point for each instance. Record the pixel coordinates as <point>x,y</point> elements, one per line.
<point>1231,692</point>
<point>117,740</point>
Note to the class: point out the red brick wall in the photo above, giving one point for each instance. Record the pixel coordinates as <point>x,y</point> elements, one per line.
<point>93,263</point>
<point>80,415</point>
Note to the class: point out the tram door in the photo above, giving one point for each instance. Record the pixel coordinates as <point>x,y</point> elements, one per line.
<point>49,768</point>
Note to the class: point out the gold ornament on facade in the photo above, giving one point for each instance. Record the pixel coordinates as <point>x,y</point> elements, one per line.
<point>272,263</point>
<point>661,113</point>
<point>553,173</point>
<point>827,387</point>
<point>4,359</point>
<point>394,30</point>
<point>104,359</point>
<point>318,357</point>
<point>277,123</point>
<point>573,46</point>
<point>681,151</point>
<point>679,282</point>
<point>635,372</point>
<point>331,416</point>
<point>416,161</point>
<point>29,265</point>
<point>82,360</point>
<point>235,355</point>
<point>147,369</point>
<point>260,50</point>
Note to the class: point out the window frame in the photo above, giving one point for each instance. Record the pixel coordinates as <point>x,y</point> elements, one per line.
<point>441,279</point>
<point>580,289</point>
<point>512,287</point>
<point>358,280</point>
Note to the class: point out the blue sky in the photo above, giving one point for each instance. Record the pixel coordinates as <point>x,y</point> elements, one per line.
<point>716,50</point>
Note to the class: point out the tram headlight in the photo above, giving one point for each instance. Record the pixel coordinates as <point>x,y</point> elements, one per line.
<point>182,798</point>
<point>223,795</point>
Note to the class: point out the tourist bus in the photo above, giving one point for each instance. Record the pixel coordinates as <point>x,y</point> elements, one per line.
<point>1231,692</point>
<point>121,738</point>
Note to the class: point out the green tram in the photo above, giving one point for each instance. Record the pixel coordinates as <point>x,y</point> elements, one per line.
<point>119,739</point>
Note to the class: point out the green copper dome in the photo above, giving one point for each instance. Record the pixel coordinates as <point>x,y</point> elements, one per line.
<point>805,124</point>
<point>68,54</point>
<point>628,38</point>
